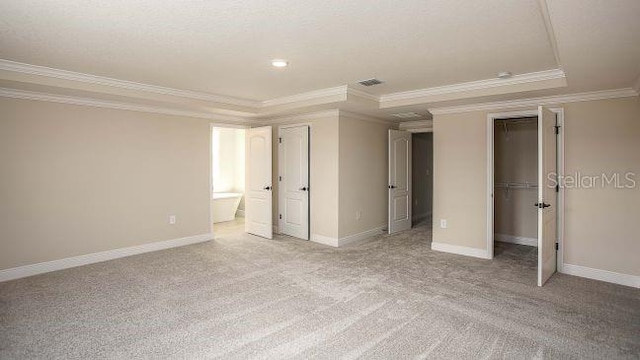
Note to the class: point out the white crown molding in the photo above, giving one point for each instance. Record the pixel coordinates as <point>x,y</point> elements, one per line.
<point>361,117</point>
<point>362,94</point>
<point>22,68</point>
<point>546,17</point>
<point>531,102</point>
<point>474,85</point>
<point>307,96</point>
<point>416,124</point>
<point>66,263</point>
<point>300,117</point>
<point>80,101</point>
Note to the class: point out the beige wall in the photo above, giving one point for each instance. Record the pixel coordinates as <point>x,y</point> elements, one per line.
<point>460,181</point>
<point>323,169</point>
<point>77,180</point>
<point>516,160</point>
<point>601,225</point>
<point>363,175</point>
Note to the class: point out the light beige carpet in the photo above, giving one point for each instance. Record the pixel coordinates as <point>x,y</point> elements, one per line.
<point>245,297</point>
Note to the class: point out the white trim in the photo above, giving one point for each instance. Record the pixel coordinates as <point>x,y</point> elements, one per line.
<point>362,236</point>
<point>107,104</point>
<point>530,102</point>
<point>324,240</point>
<point>520,240</point>
<point>561,203</point>
<point>544,11</point>
<point>602,275</point>
<point>360,117</point>
<point>122,84</point>
<point>54,265</point>
<point>490,177</point>
<point>459,250</point>
<point>362,94</point>
<point>474,85</point>
<point>416,126</point>
<point>300,117</point>
<point>311,95</point>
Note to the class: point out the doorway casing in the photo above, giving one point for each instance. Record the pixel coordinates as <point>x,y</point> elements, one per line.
<point>491,118</point>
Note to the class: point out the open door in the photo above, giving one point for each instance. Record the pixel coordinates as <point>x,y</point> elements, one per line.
<point>547,196</point>
<point>258,195</point>
<point>399,181</point>
<point>293,185</point>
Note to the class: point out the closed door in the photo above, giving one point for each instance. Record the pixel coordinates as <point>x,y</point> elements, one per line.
<point>547,196</point>
<point>293,189</point>
<point>258,187</point>
<point>399,181</point>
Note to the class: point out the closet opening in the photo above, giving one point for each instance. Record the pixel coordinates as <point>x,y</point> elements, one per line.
<point>422,178</point>
<point>515,164</point>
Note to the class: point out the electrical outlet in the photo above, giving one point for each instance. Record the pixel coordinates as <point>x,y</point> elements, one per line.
<point>358,215</point>
<point>443,223</point>
<point>172,219</point>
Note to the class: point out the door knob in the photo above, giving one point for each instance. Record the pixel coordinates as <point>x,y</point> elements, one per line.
<point>541,205</point>
<point>392,186</point>
<point>304,188</point>
<point>267,188</point>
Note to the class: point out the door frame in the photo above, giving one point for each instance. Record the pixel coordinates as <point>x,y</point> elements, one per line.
<point>211,126</point>
<point>278,228</point>
<point>491,118</point>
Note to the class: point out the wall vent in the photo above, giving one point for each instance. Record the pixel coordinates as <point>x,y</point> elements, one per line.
<point>370,82</point>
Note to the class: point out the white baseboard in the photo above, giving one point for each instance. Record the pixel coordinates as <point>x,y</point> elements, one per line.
<point>240,213</point>
<point>520,240</point>
<point>325,240</point>
<point>602,275</point>
<point>54,265</point>
<point>351,239</point>
<point>460,250</point>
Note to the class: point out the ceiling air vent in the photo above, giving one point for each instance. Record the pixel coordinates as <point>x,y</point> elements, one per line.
<point>370,82</point>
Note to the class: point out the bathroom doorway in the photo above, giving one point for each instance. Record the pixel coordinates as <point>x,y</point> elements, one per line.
<point>227,180</point>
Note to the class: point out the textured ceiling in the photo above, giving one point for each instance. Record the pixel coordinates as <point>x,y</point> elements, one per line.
<point>224,47</point>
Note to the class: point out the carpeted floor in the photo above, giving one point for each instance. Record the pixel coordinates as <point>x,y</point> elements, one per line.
<point>245,297</point>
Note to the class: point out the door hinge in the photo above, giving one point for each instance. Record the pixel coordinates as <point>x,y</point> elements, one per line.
<point>557,187</point>
<point>280,178</point>
<point>557,246</point>
<point>280,217</point>
<point>557,129</point>
<point>280,140</point>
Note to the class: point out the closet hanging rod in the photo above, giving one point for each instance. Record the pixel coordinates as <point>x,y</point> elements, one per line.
<point>514,121</point>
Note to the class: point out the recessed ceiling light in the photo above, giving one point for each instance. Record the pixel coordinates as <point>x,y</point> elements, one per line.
<point>280,63</point>
<point>505,74</point>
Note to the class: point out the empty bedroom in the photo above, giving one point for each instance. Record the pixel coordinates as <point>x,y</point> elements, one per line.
<point>248,179</point>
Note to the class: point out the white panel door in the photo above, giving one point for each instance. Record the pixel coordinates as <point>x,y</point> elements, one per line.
<point>258,195</point>
<point>399,181</point>
<point>547,196</point>
<point>293,188</point>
